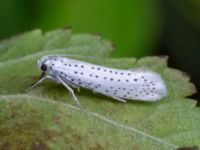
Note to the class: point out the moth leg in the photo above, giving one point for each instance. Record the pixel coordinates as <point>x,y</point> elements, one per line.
<point>70,83</point>
<point>78,89</point>
<point>42,78</point>
<point>119,99</point>
<point>73,85</point>
<point>70,90</point>
<point>94,91</point>
<point>116,98</point>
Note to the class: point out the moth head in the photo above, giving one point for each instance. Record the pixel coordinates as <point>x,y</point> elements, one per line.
<point>43,63</point>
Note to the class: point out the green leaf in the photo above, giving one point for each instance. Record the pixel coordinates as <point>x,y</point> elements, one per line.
<point>47,117</point>
<point>22,45</point>
<point>56,39</point>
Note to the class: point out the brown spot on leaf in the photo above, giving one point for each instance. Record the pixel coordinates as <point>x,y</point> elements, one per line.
<point>6,146</point>
<point>163,57</point>
<point>32,77</point>
<point>56,119</point>
<point>97,147</point>
<point>38,146</point>
<point>67,28</point>
<point>48,134</point>
<point>77,138</point>
<point>188,148</point>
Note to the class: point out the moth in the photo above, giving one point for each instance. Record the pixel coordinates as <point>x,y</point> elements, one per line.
<point>134,84</point>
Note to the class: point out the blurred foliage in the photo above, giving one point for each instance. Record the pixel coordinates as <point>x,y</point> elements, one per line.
<point>16,16</point>
<point>133,25</point>
<point>190,9</point>
<point>182,36</point>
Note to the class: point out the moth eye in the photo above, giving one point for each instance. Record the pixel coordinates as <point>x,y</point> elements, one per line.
<point>44,67</point>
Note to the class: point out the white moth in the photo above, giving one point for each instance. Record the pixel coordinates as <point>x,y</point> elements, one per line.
<point>122,85</point>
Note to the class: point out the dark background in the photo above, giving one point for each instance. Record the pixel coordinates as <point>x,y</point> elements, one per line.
<point>138,28</point>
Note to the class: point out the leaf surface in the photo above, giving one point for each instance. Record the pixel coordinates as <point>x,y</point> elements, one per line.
<point>47,116</point>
